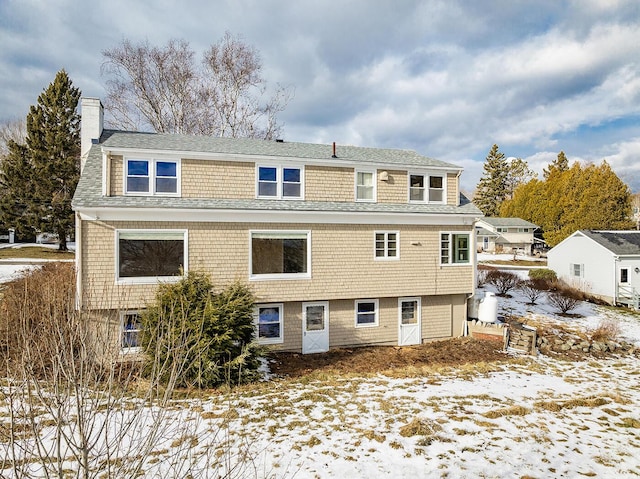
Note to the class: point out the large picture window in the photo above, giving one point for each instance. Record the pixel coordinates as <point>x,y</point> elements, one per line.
<point>268,319</point>
<point>149,255</point>
<point>280,254</point>
<point>454,248</point>
<point>151,177</point>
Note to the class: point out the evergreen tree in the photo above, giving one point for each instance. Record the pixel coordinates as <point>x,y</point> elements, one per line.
<point>40,176</point>
<point>15,176</point>
<point>569,199</point>
<point>491,190</point>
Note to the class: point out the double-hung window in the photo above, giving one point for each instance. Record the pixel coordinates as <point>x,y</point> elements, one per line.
<point>279,182</point>
<point>365,186</point>
<point>145,256</point>
<point>386,245</point>
<point>151,177</point>
<point>280,254</point>
<point>454,248</point>
<point>416,188</point>
<point>577,270</point>
<point>268,320</point>
<point>426,188</point>
<point>130,330</point>
<point>366,313</point>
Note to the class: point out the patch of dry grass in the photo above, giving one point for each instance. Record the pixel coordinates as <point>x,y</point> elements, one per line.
<point>35,252</point>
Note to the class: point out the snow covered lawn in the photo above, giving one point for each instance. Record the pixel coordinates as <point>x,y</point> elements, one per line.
<point>528,417</point>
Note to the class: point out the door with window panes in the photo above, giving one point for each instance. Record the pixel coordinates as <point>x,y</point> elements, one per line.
<point>409,324</point>
<point>315,327</point>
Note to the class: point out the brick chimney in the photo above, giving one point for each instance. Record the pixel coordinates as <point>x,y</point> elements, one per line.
<point>92,117</point>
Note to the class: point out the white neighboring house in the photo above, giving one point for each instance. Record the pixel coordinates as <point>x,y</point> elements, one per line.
<point>605,264</point>
<point>495,234</point>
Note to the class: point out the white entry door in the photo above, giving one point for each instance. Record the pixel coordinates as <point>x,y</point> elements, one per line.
<point>409,323</point>
<point>315,327</point>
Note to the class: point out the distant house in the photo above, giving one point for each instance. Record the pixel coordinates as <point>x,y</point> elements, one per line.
<point>605,264</point>
<point>342,245</point>
<point>505,235</point>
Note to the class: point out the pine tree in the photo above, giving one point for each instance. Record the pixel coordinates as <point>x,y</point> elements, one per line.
<point>42,174</point>
<point>15,175</point>
<point>491,190</point>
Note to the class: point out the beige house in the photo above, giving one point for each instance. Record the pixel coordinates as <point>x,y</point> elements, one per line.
<point>342,245</point>
<point>497,235</point>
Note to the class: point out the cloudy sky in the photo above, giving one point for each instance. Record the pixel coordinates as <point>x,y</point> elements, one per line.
<point>446,78</point>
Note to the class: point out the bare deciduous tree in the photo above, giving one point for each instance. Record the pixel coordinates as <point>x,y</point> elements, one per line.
<point>11,130</point>
<point>164,89</point>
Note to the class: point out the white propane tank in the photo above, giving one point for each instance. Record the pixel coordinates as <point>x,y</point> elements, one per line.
<point>488,309</point>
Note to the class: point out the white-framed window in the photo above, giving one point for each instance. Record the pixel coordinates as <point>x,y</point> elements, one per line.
<point>426,188</point>
<point>152,177</point>
<point>387,245</point>
<point>279,182</point>
<point>416,188</point>
<point>366,313</point>
<point>365,185</point>
<point>130,330</point>
<point>577,270</point>
<point>269,323</point>
<point>149,256</point>
<point>454,248</point>
<point>523,230</point>
<point>279,254</point>
<point>500,229</point>
<point>624,275</point>
<point>436,189</point>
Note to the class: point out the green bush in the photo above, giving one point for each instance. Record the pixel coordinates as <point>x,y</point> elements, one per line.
<point>542,274</point>
<point>196,337</point>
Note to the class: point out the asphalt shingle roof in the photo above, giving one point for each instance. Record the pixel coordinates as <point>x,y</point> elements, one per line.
<point>257,147</point>
<point>89,190</point>
<point>508,222</point>
<point>618,242</point>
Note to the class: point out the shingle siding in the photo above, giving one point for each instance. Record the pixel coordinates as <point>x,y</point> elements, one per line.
<point>218,176</point>
<point>343,264</point>
<point>218,179</point>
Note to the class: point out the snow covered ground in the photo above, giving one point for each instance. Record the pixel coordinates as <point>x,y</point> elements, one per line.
<point>531,417</point>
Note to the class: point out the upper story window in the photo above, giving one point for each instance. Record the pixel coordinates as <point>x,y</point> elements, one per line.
<point>365,186</point>
<point>152,177</point>
<point>523,230</point>
<point>280,254</point>
<point>502,230</point>
<point>279,182</point>
<point>426,188</point>
<point>454,248</point>
<point>146,256</point>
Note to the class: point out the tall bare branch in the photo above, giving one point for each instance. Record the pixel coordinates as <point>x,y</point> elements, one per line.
<point>163,89</point>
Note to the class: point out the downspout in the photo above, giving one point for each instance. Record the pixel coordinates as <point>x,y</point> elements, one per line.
<point>78,262</point>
